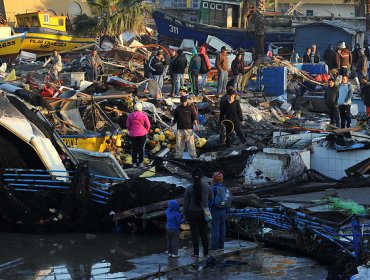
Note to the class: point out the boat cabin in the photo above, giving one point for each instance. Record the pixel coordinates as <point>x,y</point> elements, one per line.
<point>41,20</point>
<point>222,13</point>
<point>5,32</point>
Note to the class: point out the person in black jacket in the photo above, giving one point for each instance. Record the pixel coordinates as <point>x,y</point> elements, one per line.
<point>331,102</point>
<point>307,56</point>
<point>157,66</point>
<point>231,116</point>
<point>329,57</point>
<point>365,94</point>
<point>178,68</point>
<point>173,56</point>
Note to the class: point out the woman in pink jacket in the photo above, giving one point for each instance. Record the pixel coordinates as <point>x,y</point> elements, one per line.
<point>138,126</point>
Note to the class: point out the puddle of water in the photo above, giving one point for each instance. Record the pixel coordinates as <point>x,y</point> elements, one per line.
<point>106,255</point>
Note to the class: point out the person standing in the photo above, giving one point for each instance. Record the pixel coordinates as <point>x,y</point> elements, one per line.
<point>222,65</point>
<point>231,115</point>
<point>178,67</point>
<point>331,102</point>
<point>138,126</point>
<point>94,66</point>
<point>219,211</point>
<point>315,55</point>
<point>205,66</point>
<point>174,221</point>
<point>157,66</point>
<point>365,94</point>
<point>329,57</point>
<point>56,64</point>
<point>173,56</point>
<point>345,60</point>
<point>194,68</point>
<point>196,199</point>
<point>345,101</point>
<point>185,117</point>
<point>362,65</point>
<point>237,67</point>
<point>307,56</point>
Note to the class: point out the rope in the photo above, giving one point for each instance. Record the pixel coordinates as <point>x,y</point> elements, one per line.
<point>223,125</point>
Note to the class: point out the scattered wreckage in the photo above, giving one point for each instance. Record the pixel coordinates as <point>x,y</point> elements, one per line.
<point>66,166</point>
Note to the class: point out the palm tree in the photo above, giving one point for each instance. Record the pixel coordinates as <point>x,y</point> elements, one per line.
<point>112,17</point>
<point>260,23</point>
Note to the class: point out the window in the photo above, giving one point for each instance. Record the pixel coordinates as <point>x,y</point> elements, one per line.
<point>205,5</point>
<point>179,3</point>
<point>195,4</point>
<point>46,18</point>
<point>35,21</point>
<point>212,6</point>
<point>61,22</point>
<point>309,13</point>
<point>219,7</point>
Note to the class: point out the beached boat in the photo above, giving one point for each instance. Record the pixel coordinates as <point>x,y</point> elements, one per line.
<point>173,29</point>
<point>10,43</point>
<point>46,32</point>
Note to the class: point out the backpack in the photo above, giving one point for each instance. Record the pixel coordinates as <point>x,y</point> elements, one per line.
<point>223,197</point>
<point>203,65</point>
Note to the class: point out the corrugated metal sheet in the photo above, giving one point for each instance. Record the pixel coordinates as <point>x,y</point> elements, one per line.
<point>320,34</point>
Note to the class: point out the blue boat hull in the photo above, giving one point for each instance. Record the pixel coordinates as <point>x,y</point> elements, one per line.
<point>174,29</point>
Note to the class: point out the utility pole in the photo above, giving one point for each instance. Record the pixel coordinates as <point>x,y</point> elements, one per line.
<point>368,15</point>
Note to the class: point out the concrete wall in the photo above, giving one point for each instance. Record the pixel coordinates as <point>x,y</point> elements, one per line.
<point>344,10</point>
<point>67,7</point>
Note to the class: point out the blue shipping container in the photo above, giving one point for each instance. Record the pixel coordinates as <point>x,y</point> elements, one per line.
<point>274,81</point>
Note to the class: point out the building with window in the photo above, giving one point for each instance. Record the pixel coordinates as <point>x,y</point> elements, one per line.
<point>10,8</point>
<point>337,8</point>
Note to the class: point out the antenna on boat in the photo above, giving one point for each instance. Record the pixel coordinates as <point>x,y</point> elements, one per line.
<point>295,8</point>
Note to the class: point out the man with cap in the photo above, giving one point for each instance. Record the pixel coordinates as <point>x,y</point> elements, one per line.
<point>231,116</point>
<point>157,66</point>
<point>218,224</point>
<point>185,117</point>
<point>184,92</point>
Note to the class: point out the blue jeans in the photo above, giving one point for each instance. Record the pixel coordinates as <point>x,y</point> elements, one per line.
<point>222,81</point>
<point>179,82</point>
<point>202,82</point>
<point>159,80</point>
<point>218,228</point>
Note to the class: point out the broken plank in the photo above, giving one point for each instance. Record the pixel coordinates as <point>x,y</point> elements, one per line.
<point>143,209</point>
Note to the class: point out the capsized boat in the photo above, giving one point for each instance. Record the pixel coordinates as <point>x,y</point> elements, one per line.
<point>10,43</point>
<point>46,32</point>
<point>173,29</point>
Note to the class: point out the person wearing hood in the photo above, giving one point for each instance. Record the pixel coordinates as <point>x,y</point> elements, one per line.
<point>329,57</point>
<point>138,126</point>
<point>205,66</point>
<point>174,221</point>
<point>194,68</point>
<point>218,224</point>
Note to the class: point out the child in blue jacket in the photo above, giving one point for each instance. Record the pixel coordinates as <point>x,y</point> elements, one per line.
<point>174,221</point>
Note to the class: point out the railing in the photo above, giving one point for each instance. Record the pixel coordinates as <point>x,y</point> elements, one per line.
<point>35,180</point>
<point>350,238</point>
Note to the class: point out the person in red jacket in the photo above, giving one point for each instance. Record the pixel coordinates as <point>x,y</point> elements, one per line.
<point>205,65</point>
<point>138,126</point>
